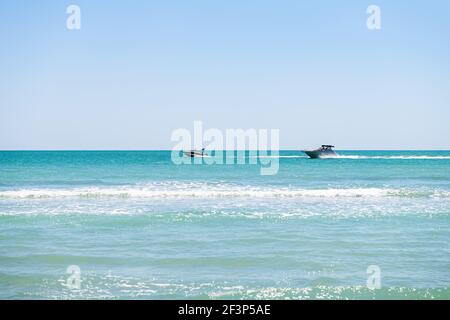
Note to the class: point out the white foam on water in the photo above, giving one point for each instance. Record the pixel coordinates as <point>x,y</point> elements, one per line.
<point>215,191</point>
<point>393,157</point>
<point>291,156</point>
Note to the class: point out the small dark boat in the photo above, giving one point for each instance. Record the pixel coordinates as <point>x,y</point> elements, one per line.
<point>325,151</point>
<point>195,153</point>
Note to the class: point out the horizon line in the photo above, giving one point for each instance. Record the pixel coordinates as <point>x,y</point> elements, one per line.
<point>124,150</point>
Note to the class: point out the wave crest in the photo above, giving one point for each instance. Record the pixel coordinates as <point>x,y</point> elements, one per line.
<point>191,191</point>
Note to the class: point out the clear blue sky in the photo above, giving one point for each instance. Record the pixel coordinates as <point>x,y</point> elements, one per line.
<point>139,69</point>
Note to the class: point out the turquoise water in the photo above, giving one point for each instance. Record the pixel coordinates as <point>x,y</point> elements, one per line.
<point>140,227</point>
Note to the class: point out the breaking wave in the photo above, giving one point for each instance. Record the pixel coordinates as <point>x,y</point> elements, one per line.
<point>205,191</point>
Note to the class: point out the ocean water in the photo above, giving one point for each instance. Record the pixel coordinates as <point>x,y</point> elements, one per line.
<point>140,227</point>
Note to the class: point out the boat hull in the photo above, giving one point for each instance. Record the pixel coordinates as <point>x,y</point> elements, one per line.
<point>316,154</point>
<point>194,154</point>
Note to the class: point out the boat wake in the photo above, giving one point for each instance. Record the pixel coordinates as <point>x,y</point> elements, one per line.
<point>393,157</point>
